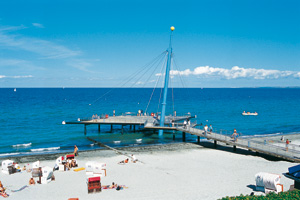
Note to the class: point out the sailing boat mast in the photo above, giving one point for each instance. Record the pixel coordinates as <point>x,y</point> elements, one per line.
<point>164,103</point>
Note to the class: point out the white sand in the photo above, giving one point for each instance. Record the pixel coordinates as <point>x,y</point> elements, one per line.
<point>197,173</point>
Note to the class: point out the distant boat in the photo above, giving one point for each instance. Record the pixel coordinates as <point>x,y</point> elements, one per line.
<point>15,89</point>
<point>249,113</point>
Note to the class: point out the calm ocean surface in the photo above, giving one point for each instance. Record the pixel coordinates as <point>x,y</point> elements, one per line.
<point>31,119</point>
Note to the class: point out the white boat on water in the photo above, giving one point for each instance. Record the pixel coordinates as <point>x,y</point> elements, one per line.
<point>249,113</point>
<point>15,89</point>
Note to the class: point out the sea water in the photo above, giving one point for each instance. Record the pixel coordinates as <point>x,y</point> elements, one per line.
<point>31,118</point>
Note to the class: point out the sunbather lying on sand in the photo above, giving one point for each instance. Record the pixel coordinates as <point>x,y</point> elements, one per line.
<point>123,161</point>
<point>114,186</point>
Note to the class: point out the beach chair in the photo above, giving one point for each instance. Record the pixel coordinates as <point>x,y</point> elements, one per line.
<point>94,184</point>
<point>59,160</point>
<point>89,167</point>
<point>35,169</point>
<point>266,182</point>
<point>47,173</point>
<point>7,166</point>
<point>99,169</point>
<point>294,174</point>
<point>70,157</point>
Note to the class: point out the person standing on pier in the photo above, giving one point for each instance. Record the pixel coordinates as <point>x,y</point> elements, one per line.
<point>234,135</point>
<point>287,145</point>
<point>114,113</point>
<point>205,129</point>
<point>184,124</point>
<point>210,128</point>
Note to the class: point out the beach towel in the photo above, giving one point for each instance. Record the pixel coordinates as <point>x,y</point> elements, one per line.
<point>22,188</point>
<point>79,169</point>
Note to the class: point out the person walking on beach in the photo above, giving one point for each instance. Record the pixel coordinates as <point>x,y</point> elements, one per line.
<point>287,145</point>
<point>75,150</point>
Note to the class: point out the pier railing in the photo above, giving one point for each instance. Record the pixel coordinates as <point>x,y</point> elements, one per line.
<point>265,146</point>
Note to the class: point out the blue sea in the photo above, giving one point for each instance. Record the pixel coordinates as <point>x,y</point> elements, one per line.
<point>31,118</point>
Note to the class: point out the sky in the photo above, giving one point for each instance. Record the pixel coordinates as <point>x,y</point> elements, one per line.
<point>102,43</point>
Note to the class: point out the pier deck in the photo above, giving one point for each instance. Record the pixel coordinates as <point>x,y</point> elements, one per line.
<point>255,144</point>
<point>252,144</point>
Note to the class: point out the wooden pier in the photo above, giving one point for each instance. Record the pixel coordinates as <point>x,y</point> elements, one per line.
<point>255,145</point>
<point>172,124</point>
<point>143,121</point>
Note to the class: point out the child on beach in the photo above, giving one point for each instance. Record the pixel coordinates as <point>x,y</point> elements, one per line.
<point>31,181</point>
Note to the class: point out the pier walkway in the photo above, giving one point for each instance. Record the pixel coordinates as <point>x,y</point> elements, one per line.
<point>253,144</point>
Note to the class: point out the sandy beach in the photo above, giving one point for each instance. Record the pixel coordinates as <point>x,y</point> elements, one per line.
<point>177,171</point>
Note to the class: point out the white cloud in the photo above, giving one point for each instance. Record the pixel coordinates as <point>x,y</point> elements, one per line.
<point>139,83</point>
<point>43,48</point>
<point>38,25</point>
<point>79,64</point>
<point>27,76</point>
<point>4,62</point>
<point>236,72</point>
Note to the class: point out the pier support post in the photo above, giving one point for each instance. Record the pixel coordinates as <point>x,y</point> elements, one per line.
<point>85,129</point>
<point>98,128</point>
<point>173,135</point>
<point>183,136</point>
<point>198,139</point>
<point>111,128</point>
<point>122,129</point>
<point>130,127</point>
<point>134,128</point>
<point>234,148</point>
<point>215,143</point>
